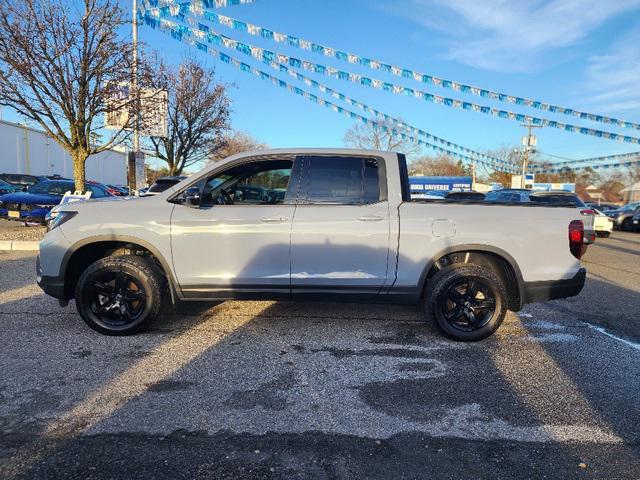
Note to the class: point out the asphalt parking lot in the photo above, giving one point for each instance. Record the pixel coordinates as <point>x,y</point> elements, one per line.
<point>311,390</point>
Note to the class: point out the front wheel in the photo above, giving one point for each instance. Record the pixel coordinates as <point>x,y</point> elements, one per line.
<point>627,225</point>
<point>119,295</point>
<point>468,302</point>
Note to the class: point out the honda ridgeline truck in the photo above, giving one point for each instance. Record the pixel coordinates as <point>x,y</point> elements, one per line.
<point>309,224</point>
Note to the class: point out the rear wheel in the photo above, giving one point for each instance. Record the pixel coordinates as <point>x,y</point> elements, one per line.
<point>468,302</point>
<point>604,234</point>
<point>119,295</point>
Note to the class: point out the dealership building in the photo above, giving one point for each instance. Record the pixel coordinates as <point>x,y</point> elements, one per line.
<point>31,151</point>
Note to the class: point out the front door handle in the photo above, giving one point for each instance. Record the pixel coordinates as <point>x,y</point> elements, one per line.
<point>273,219</point>
<point>370,218</point>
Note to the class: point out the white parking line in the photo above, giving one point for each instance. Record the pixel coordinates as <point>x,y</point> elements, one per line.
<point>626,342</point>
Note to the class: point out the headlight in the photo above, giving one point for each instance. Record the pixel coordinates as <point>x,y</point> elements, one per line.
<point>58,219</point>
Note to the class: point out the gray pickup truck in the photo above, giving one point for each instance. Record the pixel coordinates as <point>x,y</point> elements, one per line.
<point>309,224</point>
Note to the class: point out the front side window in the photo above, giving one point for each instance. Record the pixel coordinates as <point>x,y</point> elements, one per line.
<point>256,183</point>
<point>341,180</point>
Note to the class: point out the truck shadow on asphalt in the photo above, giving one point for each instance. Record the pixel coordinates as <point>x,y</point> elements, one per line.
<point>317,390</point>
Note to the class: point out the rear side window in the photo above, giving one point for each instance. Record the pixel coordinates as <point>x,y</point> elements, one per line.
<point>558,200</point>
<point>340,180</point>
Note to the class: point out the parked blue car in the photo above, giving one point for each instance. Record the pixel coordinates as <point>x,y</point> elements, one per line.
<point>8,188</point>
<point>33,205</point>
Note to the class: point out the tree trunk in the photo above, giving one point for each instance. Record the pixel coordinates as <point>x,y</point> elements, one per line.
<point>172,164</point>
<point>79,159</point>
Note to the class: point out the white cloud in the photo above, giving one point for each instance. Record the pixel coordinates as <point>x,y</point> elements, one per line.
<point>512,35</point>
<point>613,77</point>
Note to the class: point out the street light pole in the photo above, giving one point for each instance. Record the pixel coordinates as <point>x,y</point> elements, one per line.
<point>134,86</point>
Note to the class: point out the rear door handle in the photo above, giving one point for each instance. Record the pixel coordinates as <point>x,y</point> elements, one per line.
<point>273,219</point>
<point>370,218</point>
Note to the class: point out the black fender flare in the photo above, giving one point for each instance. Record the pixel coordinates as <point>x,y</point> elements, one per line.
<point>173,285</point>
<point>480,248</point>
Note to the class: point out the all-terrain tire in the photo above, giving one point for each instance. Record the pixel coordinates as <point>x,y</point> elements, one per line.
<point>437,300</point>
<point>136,271</point>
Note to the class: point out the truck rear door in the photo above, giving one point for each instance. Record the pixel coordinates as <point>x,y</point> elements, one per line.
<point>340,230</point>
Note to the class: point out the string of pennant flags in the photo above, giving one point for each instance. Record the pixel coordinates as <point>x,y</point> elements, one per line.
<point>198,8</point>
<point>393,130</point>
<point>610,164</point>
<point>378,114</point>
<point>204,35</point>
<point>600,162</point>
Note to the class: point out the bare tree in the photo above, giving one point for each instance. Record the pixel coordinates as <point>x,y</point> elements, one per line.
<point>379,136</point>
<point>633,173</point>
<point>198,116</point>
<point>440,165</point>
<point>60,67</point>
<point>237,142</point>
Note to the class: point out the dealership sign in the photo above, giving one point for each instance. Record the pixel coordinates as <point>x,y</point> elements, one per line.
<point>447,184</point>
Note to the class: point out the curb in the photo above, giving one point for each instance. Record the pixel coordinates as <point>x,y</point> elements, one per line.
<point>19,245</point>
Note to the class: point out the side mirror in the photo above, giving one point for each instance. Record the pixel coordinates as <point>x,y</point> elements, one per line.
<point>192,196</point>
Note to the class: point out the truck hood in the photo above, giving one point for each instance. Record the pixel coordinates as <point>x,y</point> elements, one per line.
<point>96,201</point>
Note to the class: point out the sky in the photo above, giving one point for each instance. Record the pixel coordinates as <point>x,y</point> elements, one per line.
<point>583,54</point>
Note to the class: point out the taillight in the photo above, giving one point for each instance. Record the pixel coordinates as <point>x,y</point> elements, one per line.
<point>587,212</point>
<point>576,238</point>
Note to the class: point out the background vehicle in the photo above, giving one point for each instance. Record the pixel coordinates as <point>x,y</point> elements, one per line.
<point>8,188</point>
<point>603,225</point>
<point>508,195</point>
<point>33,205</point>
<point>635,222</point>
<point>161,184</point>
<point>21,180</point>
<point>346,229</point>
<point>548,197</point>
<point>603,207</point>
<point>623,217</point>
<point>114,190</point>
<point>479,196</point>
<point>430,194</point>
<point>120,189</point>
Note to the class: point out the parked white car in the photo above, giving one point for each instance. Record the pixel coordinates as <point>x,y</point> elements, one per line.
<point>345,229</point>
<point>602,224</point>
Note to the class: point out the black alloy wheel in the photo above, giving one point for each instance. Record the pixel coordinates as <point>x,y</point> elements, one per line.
<point>469,304</point>
<point>118,299</point>
<point>120,294</point>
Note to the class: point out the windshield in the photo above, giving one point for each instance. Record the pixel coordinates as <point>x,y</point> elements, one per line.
<point>161,185</point>
<point>4,184</point>
<point>630,207</point>
<point>52,188</point>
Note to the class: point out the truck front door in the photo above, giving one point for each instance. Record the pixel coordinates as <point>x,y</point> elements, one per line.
<point>238,238</point>
<point>340,232</point>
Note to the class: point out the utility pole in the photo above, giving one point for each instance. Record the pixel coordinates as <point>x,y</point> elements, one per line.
<point>473,175</point>
<point>529,143</point>
<point>133,156</point>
